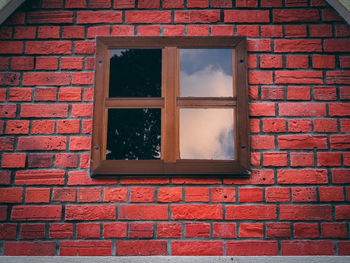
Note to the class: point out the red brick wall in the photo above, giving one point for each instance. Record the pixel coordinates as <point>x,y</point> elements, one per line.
<point>294,203</point>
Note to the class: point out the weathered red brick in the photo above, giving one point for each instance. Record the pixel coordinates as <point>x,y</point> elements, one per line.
<point>246,16</point>
<point>145,212</point>
<point>90,212</point>
<point>142,248</point>
<point>302,142</point>
<point>86,248</point>
<point>253,212</point>
<point>42,213</point>
<point>37,195</point>
<point>61,231</point>
<point>114,230</point>
<point>42,248</point>
<point>305,212</point>
<point>306,176</point>
<point>251,248</point>
<point>299,248</point>
<point>40,177</point>
<point>146,17</point>
<point>197,248</point>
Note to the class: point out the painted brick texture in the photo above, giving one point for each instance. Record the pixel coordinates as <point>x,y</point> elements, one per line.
<point>296,201</point>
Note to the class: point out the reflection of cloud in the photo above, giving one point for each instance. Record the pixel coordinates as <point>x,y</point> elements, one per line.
<point>208,82</point>
<point>206,134</point>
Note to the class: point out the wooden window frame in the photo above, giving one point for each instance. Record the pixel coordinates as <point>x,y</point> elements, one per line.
<point>170,103</point>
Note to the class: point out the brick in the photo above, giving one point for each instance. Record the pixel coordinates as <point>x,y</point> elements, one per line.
<point>32,231</point>
<point>79,143</point>
<point>338,77</point>
<point>45,78</point>
<point>69,94</point>
<point>259,45</point>
<point>271,30</point>
<point>82,110</point>
<point>9,79</point>
<point>250,230</point>
<point>342,30</point>
<point>148,31</point>
<point>211,16</point>
<point>224,230</point>
<point>251,248</point>
<point>86,248</point>
<point>277,194</point>
<point>147,17</point>
<point>296,3</point>
<point>306,230</point>
<point>90,212</point>
<point>68,126</point>
<point>17,127</point>
<point>20,94</point>
<point>330,15</point>
<point>22,63</point>
<point>247,3</point>
<point>43,127</point>
<point>342,212</point>
<point>343,248</point>
<point>254,125</point>
<point>41,143</point>
<point>271,61</point>
<point>83,47</point>
<point>278,230</point>
<point>47,63</point>
<point>102,31</point>
<point>8,231</point>
<point>272,93</point>
<point>295,31</point>
<point>40,177</point>
<point>305,212</point>
<point>262,142</point>
<point>275,159</point>
<point>48,32</point>
<point>11,47</point>
<point>220,30</point>
<point>344,93</point>
<point>297,45</point>
<point>114,230</point>
<point>83,178</point>
<point>299,125</point>
<point>250,195</point>
<point>304,194</point>
<point>48,47</point>
<point>142,248</point>
<point>339,109</point>
<point>322,61</point>
<point>297,61</point>
<point>88,195</point>
<point>22,248</point>
<point>66,160</point>
<point>226,194</point>
<point>325,93</point>
<point>251,212</point>
<point>336,45</point>
<point>82,78</point>
<point>344,61</point>
<point>298,93</point>
<point>115,194</point>
<point>16,19</point>
<point>299,248</point>
<point>341,176</point>
<point>6,143</point>
<point>299,77</point>
<point>45,94</point>
<point>295,15</point>
<point>3,213</point>
<point>87,126</point>
<point>197,230</point>
<point>94,17</point>
<point>4,63</point>
<point>301,159</point>
<point>169,230</point>
<point>302,142</point>
<point>149,4</point>
<point>11,195</point>
<point>200,194</point>
<point>194,30</point>
<point>255,159</point>
<point>63,195</point>
<point>306,176</point>
<point>246,16</point>
<point>142,194</point>
<point>61,231</point>
<point>328,159</point>
<point>125,30</point>
<point>31,213</point>
<point>52,4</point>
<point>333,230</point>
<point>260,77</point>
<point>274,125</point>
<point>40,160</point>
<point>340,142</point>
<point>144,212</point>
<point>258,177</point>
<point>124,4</point>
<point>169,195</point>
<point>262,109</point>
<point>197,248</point>
<point>345,125</point>
<point>25,32</point>
<point>37,195</point>
<point>5,178</point>
<point>198,212</point>
<point>86,231</point>
<point>197,3</point>
<point>73,32</point>
<point>321,30</point>
<point>140,230</point>
<point>100,4</point>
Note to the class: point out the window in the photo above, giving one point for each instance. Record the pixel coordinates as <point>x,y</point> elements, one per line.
<point>170,105</point>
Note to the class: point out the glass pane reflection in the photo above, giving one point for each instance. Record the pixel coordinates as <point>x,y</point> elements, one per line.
<point>206,73</point>
<point>133,134</point>
<point>135,73</point>
<point>206,134</point>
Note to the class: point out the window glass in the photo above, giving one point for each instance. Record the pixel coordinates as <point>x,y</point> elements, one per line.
<point>206,73</point>
<point>206,134</point>
<point>135,73</point>
<point>133,134</point>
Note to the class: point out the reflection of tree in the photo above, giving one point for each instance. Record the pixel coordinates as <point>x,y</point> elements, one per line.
<point>136,73</point>
<point>134,133</point>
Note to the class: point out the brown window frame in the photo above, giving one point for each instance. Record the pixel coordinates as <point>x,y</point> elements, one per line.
<point>170,103</point>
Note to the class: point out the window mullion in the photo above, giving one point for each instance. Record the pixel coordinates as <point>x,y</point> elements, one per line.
<point>170,118</point>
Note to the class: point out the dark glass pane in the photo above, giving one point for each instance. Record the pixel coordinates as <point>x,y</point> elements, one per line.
<point>206,73</point>
<point>207,134</point>
<point>133,134</point>
<point>135,73</point>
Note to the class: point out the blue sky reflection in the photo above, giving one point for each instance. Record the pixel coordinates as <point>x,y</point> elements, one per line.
<point>206,73</point>
<point>206,134</point>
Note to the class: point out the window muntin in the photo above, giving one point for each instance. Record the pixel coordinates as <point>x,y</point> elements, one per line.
<point>172,106</point>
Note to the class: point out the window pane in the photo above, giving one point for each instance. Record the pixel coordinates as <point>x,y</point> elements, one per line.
<point>135,73</point>
<point>206,73</point>
<point>133,134</point>
<point>206,134</point>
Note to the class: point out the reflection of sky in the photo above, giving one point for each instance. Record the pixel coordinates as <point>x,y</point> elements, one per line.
<point>206,73</point>
<point>206,134</point>
<point>116,52</point>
